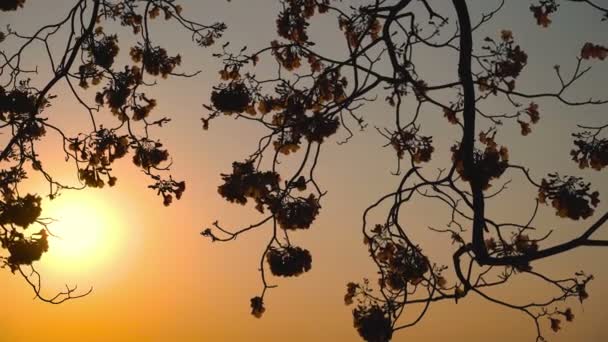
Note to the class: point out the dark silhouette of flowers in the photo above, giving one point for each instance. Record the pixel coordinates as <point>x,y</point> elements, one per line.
<point>288,261</point>
<point>24,251</point>
<point>297,213</point>
<point>246,182</point>
<point>11,5</point>
<point>570,196</point>
<point>590,151</point>
<point>231,98</point>
<point>372,323</point>
<point>21,211</point>
<point>489,164</point>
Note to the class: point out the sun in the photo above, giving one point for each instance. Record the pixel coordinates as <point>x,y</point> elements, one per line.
<point>86,233</point>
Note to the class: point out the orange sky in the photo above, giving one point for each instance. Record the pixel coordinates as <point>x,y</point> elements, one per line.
<point>157,279</point>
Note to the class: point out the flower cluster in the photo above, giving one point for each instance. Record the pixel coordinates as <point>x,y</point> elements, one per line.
<point>570,196</point>
<point>168,14</point>
<point>513,61</point>
<point>103,51</point>
<point>17,108</point>
<point>450,114</point>
<point>296,213</point>
<point>293,20</point>
<point>11,5</point>
<point>230,72</point>
<point>268,104</point>
<point>543,10</point>
<point>402,264</point>
<point>88,72</point>
<point>295,124</point>
<point>33,129</point>
<point>590,151</point>
<point>506,62</point>
<point>524,245</point>
<point>8,181</point>
<point>231,98</point>
<point>488,164</point>
<point>168,188</point>
<point>106,143</point>
<point>372,323</point>
<point>92,176</point>
<point>20,211</point>
<point>15,102</point>
<point>555,322</point>
<point>141,112</point>
<point>590,51</point>
<point>288,261</point>
<point>149,154</point>
<point>246,182</point>
<point>289,56</point>
<point>117,92</point>
<point>257,307</point>
<point>100,150</point>
<point>24,251</point>
<point>351,292</point>
<point>155,60</point>
<point>533,117</point>
<point>419,147</point>
<point>125,14</point>
<point>330,86</point>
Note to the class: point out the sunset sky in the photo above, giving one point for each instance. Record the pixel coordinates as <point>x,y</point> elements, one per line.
<point>155,278</point>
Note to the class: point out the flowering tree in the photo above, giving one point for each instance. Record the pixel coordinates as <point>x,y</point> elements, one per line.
<point>309,99</point>
<point>313,95</point>
<point>89,59</point>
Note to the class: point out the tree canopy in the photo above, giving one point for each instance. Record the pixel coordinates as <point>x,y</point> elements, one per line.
<point>311,97</point>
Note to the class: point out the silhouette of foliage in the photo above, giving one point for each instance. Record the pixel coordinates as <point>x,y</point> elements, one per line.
<point>289,261</point>
<point>24,251</point>
<point>372,324</point>
<point>590,152</point>
<point>311,98</point>
<point>233,98</point>
<point>245,182</point>
<point>257,307</point>
<point>569,196</point>
<point>91,57</point>
<point>11,5</point>
<point>316,94</point>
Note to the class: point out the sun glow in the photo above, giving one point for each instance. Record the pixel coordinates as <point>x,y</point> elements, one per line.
<point>87,233</point>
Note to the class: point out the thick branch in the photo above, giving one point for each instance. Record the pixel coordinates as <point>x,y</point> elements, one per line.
<point>468,140</point>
